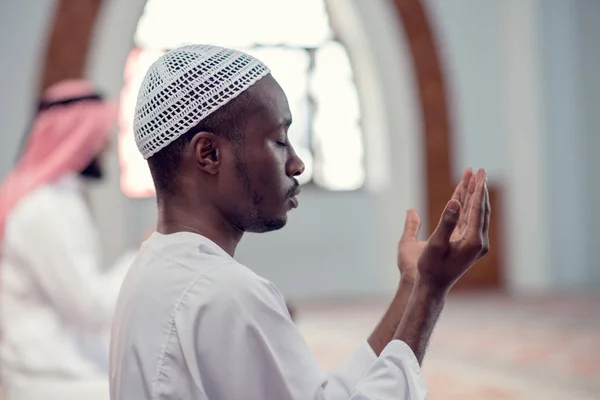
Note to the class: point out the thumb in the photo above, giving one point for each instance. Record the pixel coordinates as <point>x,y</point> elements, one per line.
<point>441,236</point>
<point>412,224</point>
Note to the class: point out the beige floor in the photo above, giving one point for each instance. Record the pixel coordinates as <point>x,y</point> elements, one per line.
<point>485,346</point>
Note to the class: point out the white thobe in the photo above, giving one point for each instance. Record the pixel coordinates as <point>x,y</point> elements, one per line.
<point>56,300</point>
<point>193,324</point>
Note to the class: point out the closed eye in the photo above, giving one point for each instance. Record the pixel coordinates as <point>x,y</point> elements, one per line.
<point>282,144</point>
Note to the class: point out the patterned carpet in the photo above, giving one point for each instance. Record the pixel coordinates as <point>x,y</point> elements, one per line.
<point>485,346</point>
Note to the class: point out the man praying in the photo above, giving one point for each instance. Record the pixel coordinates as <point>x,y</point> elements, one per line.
<point>194,323</point>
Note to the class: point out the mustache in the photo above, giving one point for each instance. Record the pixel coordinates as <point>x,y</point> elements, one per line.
<point>294,190</point>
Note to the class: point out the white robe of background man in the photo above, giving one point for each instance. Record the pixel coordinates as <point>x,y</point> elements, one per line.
<point>194,324</point>
<point>57,302</point>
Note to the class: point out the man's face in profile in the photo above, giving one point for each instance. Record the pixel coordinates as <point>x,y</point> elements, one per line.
<point>261,181</point>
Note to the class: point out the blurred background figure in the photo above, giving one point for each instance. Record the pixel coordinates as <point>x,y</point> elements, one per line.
<point>57,302</point>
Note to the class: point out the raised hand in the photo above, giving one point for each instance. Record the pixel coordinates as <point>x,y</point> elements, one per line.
<point>410,247</point>
<point>461,237</point>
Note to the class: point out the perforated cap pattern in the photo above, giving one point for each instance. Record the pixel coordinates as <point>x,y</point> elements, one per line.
<point>186,85</point>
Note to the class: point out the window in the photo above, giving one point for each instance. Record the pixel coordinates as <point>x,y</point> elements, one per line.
<point>295,40</point>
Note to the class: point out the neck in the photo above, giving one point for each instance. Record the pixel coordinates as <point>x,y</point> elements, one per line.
<point>176,215</point>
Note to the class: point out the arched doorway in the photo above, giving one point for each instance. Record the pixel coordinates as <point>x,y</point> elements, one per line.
<point>435,143</point>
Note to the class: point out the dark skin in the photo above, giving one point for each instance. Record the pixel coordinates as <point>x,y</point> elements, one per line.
<point>459,241</point>
<point>410,249</point>
<point>225,189</point>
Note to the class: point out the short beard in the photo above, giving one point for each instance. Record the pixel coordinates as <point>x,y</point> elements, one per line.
<point>254,221</point>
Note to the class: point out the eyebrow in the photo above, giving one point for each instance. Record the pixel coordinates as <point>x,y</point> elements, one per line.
<point>285,122</point>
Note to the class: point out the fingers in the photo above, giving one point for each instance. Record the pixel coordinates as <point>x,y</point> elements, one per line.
<point>469,189</point>
<point>486,221</point>
<point>412,224</point>
<point>474,241</point>
<point>477,208</point>
<point>461,189</point>
<point>440,239</point>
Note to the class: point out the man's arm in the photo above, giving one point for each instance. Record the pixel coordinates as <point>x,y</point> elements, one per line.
<point>423,311</point>
<point>388,325</point>
<point>410,249</point>
<point>460,239</point>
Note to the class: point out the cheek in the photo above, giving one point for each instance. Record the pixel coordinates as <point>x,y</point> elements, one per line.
<point>264,162</point>
<point>270,169</point>
<point>231,179</point>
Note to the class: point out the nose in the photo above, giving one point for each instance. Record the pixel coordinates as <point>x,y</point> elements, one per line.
<point>295,166</point>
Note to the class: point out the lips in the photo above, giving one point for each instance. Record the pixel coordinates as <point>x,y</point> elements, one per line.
<point>295,192</point>
<point>293,196</point>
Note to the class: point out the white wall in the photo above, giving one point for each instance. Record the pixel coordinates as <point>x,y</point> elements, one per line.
<point>24,27</point>
<point>336,244</point>
<point>470,35</point>
<point>564,127</point>
<point>524,93</point>
<point>588,16</point>
<point>502,99</point>
<point>527,235</point>
<point>571,55</point>
<point>117,216</point>
<point>490,51</point>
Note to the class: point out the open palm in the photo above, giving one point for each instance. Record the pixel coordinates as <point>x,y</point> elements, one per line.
<point>410,247</point>
<point>461,237</point>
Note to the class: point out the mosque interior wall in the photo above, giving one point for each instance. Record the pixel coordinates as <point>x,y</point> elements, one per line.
<point>514,109</point>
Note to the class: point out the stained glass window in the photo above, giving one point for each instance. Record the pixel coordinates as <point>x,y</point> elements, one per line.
<point>294,38</point>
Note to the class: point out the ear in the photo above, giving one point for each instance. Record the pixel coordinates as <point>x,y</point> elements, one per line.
<point>205,146</point>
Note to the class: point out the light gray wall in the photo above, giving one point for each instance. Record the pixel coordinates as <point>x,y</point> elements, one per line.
<point>524,92</point>
<point>564,126</point>
<point>24,28</point>
<point>570,58</point>
<point>470,35</point>
<point>490,57</point>
<point>343,244</point>
<point>119,220</point>
<point>336,244</point>
<point>328,249</point>
<point>588,17</point>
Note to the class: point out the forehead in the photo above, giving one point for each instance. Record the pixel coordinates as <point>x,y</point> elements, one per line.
<point>270,101</point>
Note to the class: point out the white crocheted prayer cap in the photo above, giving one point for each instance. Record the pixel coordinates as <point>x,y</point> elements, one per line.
<point>186,85</point>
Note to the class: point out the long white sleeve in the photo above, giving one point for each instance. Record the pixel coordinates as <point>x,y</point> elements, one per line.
<point>247,347</point>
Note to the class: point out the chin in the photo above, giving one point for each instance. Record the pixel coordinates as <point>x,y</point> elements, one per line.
<point>267,225</point>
